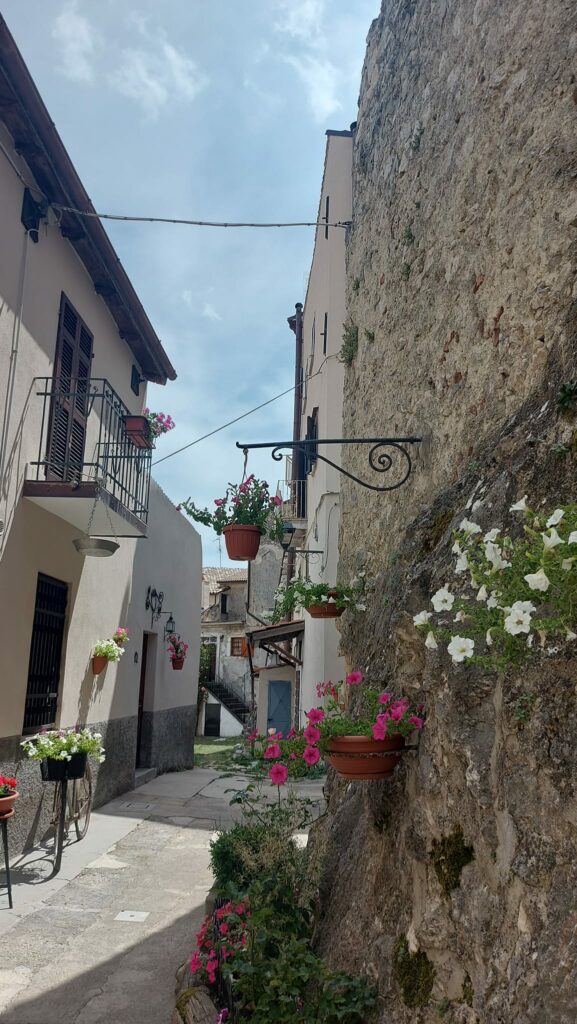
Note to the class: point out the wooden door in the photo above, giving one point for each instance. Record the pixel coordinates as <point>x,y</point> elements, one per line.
<point>279,705</point>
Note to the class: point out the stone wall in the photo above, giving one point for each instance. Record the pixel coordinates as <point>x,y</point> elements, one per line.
<point>454,885</point>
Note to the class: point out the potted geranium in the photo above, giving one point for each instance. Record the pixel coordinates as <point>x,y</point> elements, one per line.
<point>246,512</point>
<point>120,636</point>
<point>103,652</point>
<point>63,752</point>
<point>144,429</point>
<point>8,794</point>
<point>177,650</point>
<point>320,600</point>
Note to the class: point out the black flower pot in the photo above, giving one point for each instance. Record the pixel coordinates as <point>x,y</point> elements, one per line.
<point>56,771</point>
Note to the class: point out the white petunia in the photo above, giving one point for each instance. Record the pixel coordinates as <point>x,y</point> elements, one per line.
<point>517,622</point>
<point>430,641</point>
<point>469,527</point>
<point>520,506</point>
<point>492,535</point>
<point>488,638</point>
<point>324,597</point>
<point>482,593</point>
<point>555,517</point>
<point>572,538</point>
<point>462,563</point>
<point>492,601</point>
<point>551,539</point>
<point>538,580</point>
<point>422,618</point>
<point>360,607</point>
<point>570,635</point>
<point>494,555</point>
<point>456,549</point>
<point>443,600</point>
<point>523,606</point>
<point>332,600</point>
<point>567,563</point>
<point>460,648</point>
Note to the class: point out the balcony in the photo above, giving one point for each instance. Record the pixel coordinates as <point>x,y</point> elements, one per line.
<point>294,501</point>
<point>84,453</point>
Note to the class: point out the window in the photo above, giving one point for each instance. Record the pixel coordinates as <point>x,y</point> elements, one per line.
<point>312,435</point>
<point>238,647</point>
<point>45,653</point>
<point>69,410</point>
<point>313,335</point>
<point>224,604</point>
<point>324,333</point>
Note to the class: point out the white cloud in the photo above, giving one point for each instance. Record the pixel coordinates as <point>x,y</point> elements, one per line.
<point>210,312</point>
<point>321,80</point>
<point>78,40</point>
<point>300,18</point>
<point>155,79</point>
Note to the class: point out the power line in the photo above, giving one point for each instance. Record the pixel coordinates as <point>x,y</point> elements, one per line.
<point>201,223</point>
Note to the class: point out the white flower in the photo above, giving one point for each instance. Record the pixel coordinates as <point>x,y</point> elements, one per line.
<point>443,600</point>
<point>567,563</point>
<point>570,635</point>
<point>488,638</point>
<point>551,539</point>
<point>361,607</point>
<point>520,506</point>
<point>572,538</point>
<point>492,535</point>
<point>494,555</point>
<point>362,573</point>
<point>430,641</point>
<point>422,618</point>
<point>456,549</point>
<point>517,622</point>
<point>468,527</point>
<point>462,563</point>
<point>482,593</point>
<point>523,606</point>
<point>538,580</point>
<point>459,617</point>
<point>492,601</point>
<point>332,600</point>
<point>102,760</point>
<point>460,648</point>
<point>324,597</point>
<point>555,517</point>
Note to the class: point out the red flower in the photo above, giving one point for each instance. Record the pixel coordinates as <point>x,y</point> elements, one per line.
<point>315,715</point>
<point>311,755</point>
<point>278,774</point>
<point>272,752</point>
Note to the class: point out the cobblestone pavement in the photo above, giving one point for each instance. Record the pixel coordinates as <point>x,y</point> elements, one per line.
<point>101,941</point>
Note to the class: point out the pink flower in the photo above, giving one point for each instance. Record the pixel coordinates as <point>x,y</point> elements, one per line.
<point>178,508</point>
<point>276,500</point>
<point>311,755</point>
<point>278,774</point>
<point>235,501</point>
<point>223,928</point>
<point>293,756</point>
<point>315,715</point>
<point>379,729</point>
<point>416,721</point>
<point>195,963</point>
<point>272,752</point>
<point>354,678</point>
<point>312,734</point>
<point>291,733</point>
<point>384,698</point>
<point>219,501</point>
<point>252,736</point>
<point>243,488</point>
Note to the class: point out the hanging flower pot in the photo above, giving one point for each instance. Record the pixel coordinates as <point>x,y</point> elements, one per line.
<point>177,664</point>
<point>361,757</point>
<point>327,609</point>
<point>54,770</point>
<point>99,663</point>
<point>8,795</point>
<point>137,430</point>
<point>242,542</point>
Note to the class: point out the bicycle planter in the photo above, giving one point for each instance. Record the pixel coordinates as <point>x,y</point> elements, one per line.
<point>242,542</point>
<point>362,758</point>
<point>57,771</point>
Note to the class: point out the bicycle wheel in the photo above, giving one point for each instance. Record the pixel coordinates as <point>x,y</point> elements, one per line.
<point>82,803</point>
<point>60,802</point>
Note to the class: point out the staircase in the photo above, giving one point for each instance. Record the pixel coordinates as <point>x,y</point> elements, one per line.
<point>229,699</point>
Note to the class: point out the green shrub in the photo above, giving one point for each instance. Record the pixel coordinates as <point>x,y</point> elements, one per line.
<point>350,343</point>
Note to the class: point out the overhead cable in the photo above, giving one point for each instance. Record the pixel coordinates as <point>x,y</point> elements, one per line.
<point>201,223</point>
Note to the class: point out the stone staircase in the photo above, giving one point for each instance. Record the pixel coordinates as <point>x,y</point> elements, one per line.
<point>229,699</point>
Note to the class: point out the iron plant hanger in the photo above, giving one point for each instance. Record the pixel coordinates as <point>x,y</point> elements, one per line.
<point>379,458</point>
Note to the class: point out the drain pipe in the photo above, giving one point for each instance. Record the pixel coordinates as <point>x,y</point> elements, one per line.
<point>296,325</point>
<point>16,326</point>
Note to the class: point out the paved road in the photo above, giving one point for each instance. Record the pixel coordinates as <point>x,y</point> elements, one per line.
<point>100,943</point>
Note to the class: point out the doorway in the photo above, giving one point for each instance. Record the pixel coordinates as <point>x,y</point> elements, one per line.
<point>279,705</point>
<point>145,700</point>
<point>212,719</point>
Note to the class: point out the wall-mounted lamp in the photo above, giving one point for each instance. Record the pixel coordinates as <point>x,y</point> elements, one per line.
<point>170,626</point>
<point>288,532</point>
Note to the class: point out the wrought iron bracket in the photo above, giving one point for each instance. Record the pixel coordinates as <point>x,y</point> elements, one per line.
<point>380,460</point>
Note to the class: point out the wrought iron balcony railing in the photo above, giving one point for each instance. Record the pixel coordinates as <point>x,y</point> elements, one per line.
<point>294,499</point>
<point>82,438</point>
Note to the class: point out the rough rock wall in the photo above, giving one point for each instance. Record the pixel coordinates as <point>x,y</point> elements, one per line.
<point>462,287</point>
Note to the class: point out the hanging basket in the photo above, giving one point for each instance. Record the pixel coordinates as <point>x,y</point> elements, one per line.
<point>53,770</point>
<point>242,542</point>
<point>97,547</point>
<point>99,663</point>
<point>177,664</point>
<point>361,757</point>
<point>137,429</point>
<point>7,804</point>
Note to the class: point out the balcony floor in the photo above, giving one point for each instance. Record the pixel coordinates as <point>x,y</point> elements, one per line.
<point>74,505</point>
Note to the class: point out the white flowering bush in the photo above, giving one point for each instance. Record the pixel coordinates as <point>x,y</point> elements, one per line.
<point>109,649</point>
<point>509,593</point>
<point>304,593</point>
<point>61,744</point>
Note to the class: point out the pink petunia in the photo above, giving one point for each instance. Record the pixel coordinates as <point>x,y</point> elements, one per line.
<point>379,730</point>
<point>219,501</point>
<point>291,733</point>
<point>315,715</point>
<point>272,752</point>
<point>235,501</point>
<point>276,500</point>
<point>416,721</point>
<point>384,698</point>
<point>354,678</point>
<point>311,755</point>
<point>252,736</point>
<point>293,756</point>
<point>223,928</point>
<point>278,774</point>
<point>311,734</point>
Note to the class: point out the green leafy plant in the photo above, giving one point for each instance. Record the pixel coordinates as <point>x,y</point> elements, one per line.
<point>414,973</point>
<point>450,854</point>
<point>109,649</point>
<point>560,450</point>
<point>510,593</point>
<point>350,343</point>
<point>248,504</point>
<point>302,592</point>
<point>567,397</point>
<point>61,744</point>
<point>408,236</point>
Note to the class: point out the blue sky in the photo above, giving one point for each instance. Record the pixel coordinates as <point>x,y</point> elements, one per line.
<point>209,111</point>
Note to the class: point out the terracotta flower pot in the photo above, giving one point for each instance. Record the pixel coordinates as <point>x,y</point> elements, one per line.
<point>361,757</point>
<point>242,542</point>
<point>324,611</point>
<point>7,803</point>
<point>99,663</point>
<point>177,664</point>
<point>137,429</point>
<point>53,770</point>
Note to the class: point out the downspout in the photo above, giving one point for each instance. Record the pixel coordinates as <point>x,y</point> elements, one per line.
<point>16,326</point>
<point>296,324</point>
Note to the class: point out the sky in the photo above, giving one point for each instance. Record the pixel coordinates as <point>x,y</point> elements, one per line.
<point>207,111</point>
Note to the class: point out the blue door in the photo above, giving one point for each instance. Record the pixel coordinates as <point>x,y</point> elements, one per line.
<point>279,705</point>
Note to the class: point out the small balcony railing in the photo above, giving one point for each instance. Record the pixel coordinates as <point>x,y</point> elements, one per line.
<point>294,499</point>
<point>82,438</point>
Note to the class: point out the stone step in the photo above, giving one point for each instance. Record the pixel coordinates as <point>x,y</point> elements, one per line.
<point>144,775</point>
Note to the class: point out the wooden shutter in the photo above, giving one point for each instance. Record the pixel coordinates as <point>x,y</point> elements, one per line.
<point>69,409</point>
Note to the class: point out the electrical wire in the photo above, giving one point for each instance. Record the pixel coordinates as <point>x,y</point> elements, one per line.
<point>201,223</point>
